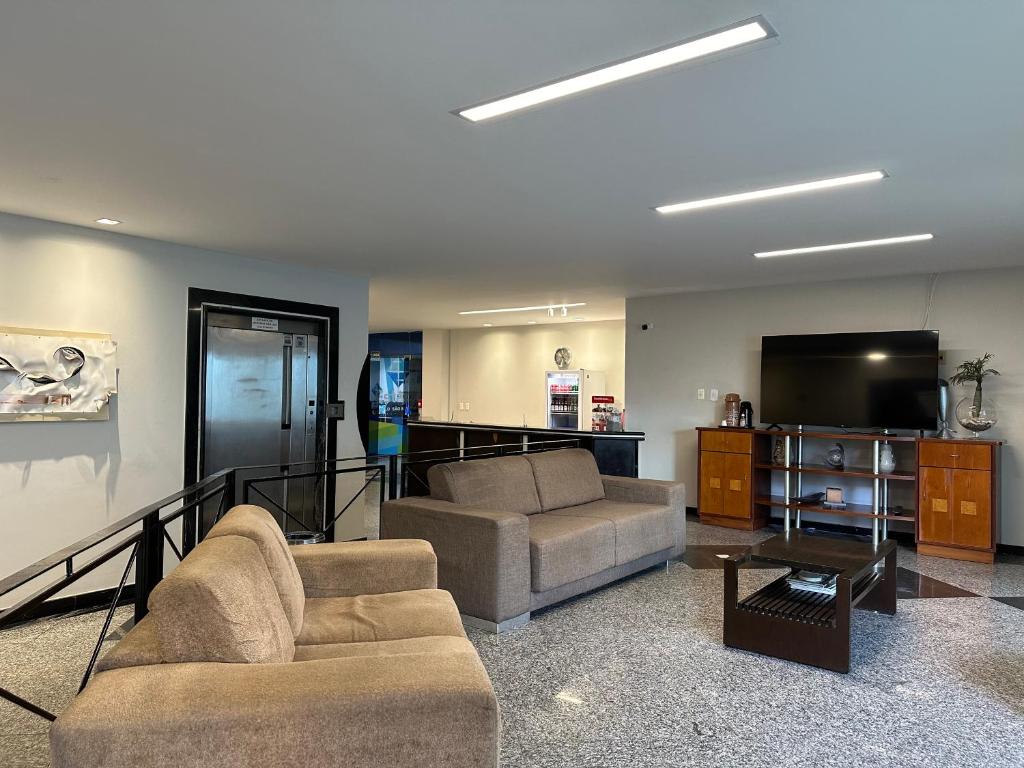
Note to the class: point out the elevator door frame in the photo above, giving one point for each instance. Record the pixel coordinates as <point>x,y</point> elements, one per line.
<point>201,301</point>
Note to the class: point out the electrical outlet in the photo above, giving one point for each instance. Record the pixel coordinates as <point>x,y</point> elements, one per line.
<point>714,395</point>
<point>467,405</point>
<point>700,393</point>
<point>462,406</point>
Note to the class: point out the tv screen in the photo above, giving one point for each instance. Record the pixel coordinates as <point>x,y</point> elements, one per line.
<point>863,380</point>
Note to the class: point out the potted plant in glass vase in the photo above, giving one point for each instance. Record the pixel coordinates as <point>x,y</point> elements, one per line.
<point>974,413</point>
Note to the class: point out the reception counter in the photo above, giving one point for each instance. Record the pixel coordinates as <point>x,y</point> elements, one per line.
<point>617,453</point>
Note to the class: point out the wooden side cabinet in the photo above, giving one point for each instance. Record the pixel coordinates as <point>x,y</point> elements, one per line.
<point>958,498</point>
<point>726,494</point>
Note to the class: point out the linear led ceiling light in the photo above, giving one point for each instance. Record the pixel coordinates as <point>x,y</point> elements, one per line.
<point>551,307</point>
<point>761,194</point>
<point>108,222</point>
<point>724,39</point>
<point>845,246</point>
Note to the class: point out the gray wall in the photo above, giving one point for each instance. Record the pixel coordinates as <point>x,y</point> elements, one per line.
<point>713,339</point>
<point>61,481</point>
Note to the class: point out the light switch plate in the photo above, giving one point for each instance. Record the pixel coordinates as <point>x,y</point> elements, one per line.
<point>714,395</point>
<point>700,393</point>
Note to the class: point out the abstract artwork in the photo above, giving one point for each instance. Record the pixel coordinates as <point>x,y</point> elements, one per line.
<point>56,375</point>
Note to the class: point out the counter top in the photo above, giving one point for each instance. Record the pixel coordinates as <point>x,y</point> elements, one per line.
<point>532,430</point>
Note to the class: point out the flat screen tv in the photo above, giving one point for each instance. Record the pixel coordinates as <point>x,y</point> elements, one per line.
<point>852,380</point>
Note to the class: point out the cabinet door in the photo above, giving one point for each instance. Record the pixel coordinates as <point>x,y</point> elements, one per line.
<point>736,502</point>
<point>972,508</point>
<point>935,505</point>
<point>712,482</point>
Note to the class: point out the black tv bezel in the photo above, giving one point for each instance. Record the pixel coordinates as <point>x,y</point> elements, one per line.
<point>932,426</point>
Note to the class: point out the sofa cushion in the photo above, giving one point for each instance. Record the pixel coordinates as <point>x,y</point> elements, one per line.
<point>220,604</point>
<point>566,478</point>
<point>138,648</point>
<point>565,548</point>
<point>368,618</point>
<point>259,525</point>
<point>440,644</point>
<point>640,529</point>
<point>504,484</point>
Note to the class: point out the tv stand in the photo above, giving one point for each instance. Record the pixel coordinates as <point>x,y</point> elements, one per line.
<point>954,482</point>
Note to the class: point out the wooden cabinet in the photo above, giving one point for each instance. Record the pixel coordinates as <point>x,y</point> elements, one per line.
<point>726,470</point>
<point>958,499</point>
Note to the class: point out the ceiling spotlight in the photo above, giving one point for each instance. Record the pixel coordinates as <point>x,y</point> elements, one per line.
<point>531,322</point>
<point>488,325</point>
<point>108,222</point>
<point>733,36</point>
<point>549,307</point>
<point>877,356</point>
<point>845,246</point>
<point>761,194</point>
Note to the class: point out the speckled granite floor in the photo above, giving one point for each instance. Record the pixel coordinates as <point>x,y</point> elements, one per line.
<point>635,675</point>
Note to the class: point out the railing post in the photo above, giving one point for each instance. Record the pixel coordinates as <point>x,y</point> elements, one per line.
<point>393,476</point>
<point>229,490</point>
<point>149,563</point>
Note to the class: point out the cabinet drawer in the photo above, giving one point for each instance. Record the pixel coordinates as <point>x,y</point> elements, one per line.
<point>955,455</point>
<point>727,442</point>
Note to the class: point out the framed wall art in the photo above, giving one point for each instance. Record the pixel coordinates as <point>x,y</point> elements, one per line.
<point>56,375</point>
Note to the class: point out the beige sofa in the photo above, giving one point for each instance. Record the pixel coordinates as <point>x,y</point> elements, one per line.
<point>518,533</point>
<point>256,654</point>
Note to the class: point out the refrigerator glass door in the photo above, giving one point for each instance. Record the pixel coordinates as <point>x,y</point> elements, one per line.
<point>563,398</point>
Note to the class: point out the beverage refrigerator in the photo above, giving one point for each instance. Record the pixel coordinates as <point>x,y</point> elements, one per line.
<point>568,397</point>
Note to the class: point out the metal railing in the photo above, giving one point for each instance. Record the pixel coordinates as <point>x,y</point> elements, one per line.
<point>144,533</point>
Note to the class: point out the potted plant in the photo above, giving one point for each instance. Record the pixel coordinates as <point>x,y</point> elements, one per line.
<point>973,413</point>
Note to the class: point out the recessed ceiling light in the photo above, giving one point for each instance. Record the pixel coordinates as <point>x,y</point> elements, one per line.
<point>720,40</point>
<point>551,307</point>
<point>761,194</point>
<point>579,318</point>
<point>108,222</point>
<point>877,356</point>
<point>845,246</point>
<point>488,325</point>
<point>531,322</point>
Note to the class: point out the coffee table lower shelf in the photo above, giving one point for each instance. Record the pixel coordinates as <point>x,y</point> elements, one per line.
<point>807,627</point>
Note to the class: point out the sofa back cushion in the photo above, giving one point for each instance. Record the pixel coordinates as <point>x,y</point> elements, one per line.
<point>257,524</point>
<point>220,604</point>
<point>504,484</point>
<point>566,478</point>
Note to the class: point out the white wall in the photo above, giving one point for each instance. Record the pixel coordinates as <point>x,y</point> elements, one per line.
<point>500,371</point>
<point>62,481</point>
<point>713,339</point>
<point>436,373</point>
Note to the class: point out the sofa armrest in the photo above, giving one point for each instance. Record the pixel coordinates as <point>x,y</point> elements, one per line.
<point>397,710</point>
<point>483,556</point>
<point>664,492</point>
<point>349,568</point>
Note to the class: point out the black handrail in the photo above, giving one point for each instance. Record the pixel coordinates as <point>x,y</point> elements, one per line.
<point>147,542</point>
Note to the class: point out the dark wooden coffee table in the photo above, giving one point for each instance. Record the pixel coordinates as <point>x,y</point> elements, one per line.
<point>802,626</point>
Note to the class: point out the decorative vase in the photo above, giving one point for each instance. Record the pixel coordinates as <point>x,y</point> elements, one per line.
<point>886,460</point>
<point>975,413</point>
<point>732,410</point>
<point>836,456</point>
<point>779,452</point>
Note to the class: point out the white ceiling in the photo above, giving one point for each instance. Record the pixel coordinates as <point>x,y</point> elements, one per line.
<point>318,132</point>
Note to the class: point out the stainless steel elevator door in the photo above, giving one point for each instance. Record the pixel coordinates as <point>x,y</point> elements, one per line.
<point>261,407</point>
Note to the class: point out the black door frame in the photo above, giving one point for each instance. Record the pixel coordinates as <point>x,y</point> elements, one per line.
<point>195,383</point>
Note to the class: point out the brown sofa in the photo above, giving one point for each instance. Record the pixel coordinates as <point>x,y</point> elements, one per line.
<point>518,533</point>
<point>254,653</point>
